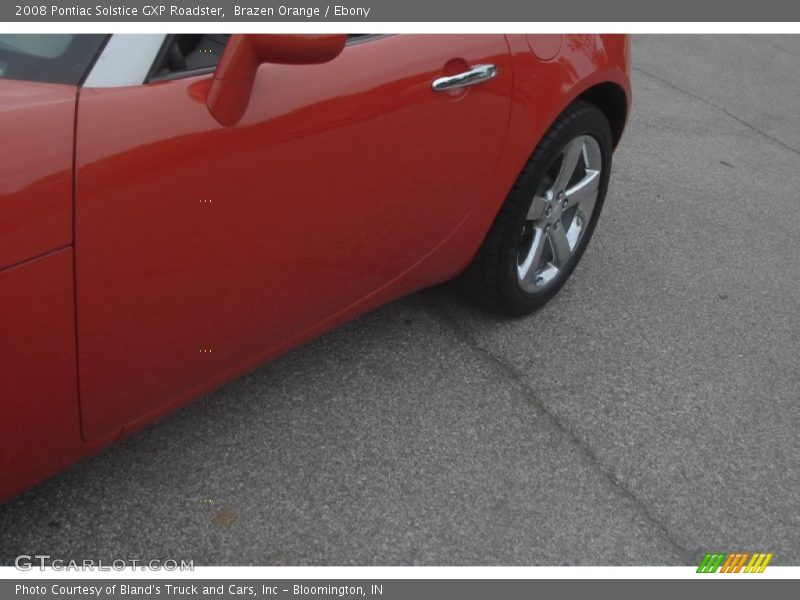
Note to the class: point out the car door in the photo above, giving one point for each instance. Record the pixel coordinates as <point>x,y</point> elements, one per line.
<point>39,428</point>
<point>203,249</point>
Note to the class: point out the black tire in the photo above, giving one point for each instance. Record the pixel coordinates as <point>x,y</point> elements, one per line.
<point>492,276</point>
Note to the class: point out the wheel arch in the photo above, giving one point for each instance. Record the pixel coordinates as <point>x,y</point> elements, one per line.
<point>610,98</point>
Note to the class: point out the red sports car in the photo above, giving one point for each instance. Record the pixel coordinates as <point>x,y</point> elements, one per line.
<point>176,209</point>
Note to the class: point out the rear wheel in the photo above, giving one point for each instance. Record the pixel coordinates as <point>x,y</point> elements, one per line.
<point>546,222</point>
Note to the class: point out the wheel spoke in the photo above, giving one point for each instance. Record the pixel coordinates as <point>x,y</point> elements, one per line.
<point>584,192</point>
<point>572,154</point>
<point>538,206</point>
<point>560,245</point>
<point>527,270</point>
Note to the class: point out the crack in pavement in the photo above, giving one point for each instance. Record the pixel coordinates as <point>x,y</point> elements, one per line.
<point>739,120</point>
<point>438,312</point>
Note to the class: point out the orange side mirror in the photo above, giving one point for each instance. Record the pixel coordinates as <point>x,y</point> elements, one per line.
<point>232,84</point>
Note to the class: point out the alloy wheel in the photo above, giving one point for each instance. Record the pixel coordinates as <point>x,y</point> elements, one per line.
<point>559,214</point>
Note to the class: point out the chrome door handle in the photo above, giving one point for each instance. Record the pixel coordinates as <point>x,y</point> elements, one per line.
<point>477,74</point>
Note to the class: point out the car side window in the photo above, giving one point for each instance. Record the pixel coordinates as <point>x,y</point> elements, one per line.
<point>184,55</point>
<point>50,58</point>
<point>188,54</point>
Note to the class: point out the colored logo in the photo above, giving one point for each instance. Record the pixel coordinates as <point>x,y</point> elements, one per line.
<point>734,562</point>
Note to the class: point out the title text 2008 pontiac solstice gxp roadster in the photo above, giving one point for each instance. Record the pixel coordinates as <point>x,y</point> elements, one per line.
<point>176,209</point>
